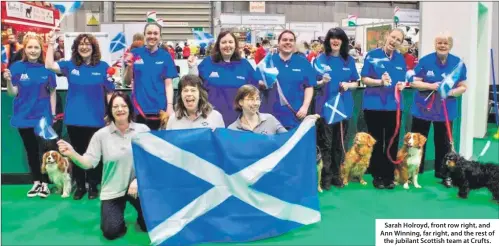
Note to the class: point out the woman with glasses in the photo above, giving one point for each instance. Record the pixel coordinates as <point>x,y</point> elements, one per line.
<point>113,144</point>
<point>88,91</point>
<point>247,103</point>
<point>384,71</point>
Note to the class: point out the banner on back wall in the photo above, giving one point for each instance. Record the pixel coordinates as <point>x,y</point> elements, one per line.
<point>192,194</point>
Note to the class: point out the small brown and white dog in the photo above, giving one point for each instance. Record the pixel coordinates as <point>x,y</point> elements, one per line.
<point>58,169</point>
<point>410,156</point>
<point>163,118</point>
<point>357,158</point>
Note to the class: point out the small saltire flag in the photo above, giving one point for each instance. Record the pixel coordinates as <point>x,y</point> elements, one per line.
<point>68,7</point>
<point>118,43</point>
<point>450,79</point>
<point>267,70</point>
<point>227,191</point>
<point>334,109</point>
<point>203,37</point>
<point>4,55</point>
<point>151,16</point>
<point>44,130</point>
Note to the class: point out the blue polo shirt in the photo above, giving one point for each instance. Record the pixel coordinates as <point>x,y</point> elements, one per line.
<point>431,70</point>
<point>339,71</point>
<point>86,97</point>
<point>32,102</point>
<point>149,73</point>
<point>294,76</point>
<point>383,97</point>
<point>222,80</point>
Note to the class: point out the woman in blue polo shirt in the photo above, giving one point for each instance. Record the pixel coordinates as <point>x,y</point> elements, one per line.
<point>289,100</point>
<point>223,73</point>
<point>429,72</point>
<point>334,95</point>
<point>34,89</point>
<point>88,91</point>
<point>153,71</point>
<point>384,71</point>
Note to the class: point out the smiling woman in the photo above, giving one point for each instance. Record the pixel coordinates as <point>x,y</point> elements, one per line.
<point>86,101</point>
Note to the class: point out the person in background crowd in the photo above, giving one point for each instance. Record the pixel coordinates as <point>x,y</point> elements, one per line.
<point>314,51</point>
<point>33,87</point>
<point>12,48</point>
<point>296,80</point>
<point>223,73</point>
<point>247,104</point>
<point>262,51</point>
<point>186,51</point>
<point>430,71</point>
<point>59,52</point>
<point>192,108</point>
<point>119,184</point>
<point>88,92</point>
<point>410,60</point>
<point>342,78</point>
<point>178,51</point>
<point>152,71</point>
<point>382,78</point>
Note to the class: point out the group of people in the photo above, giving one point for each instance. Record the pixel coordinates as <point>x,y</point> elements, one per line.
<point>224,90</point>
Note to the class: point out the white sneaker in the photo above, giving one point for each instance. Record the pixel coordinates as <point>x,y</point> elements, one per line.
<point>44,190</point>
<point>35,189</point>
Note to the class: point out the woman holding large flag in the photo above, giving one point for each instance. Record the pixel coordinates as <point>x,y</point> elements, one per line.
<point>34,89</point>
<point>384,73</point>
<point>334,102</point>
<point>292,90</point>
<point>86,99</point>
<point>223,72</point>
<point>427,109</point>
<point>152,70</point>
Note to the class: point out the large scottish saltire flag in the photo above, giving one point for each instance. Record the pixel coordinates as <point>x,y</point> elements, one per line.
<point>199,186</point>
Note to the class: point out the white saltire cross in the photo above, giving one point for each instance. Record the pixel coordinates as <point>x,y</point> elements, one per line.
<point>335,109</point>
<point>225,186</point>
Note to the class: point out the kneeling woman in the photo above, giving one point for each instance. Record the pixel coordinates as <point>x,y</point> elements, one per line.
<point>113,144</point>
<point>247,103</point>
<point>193,109</point>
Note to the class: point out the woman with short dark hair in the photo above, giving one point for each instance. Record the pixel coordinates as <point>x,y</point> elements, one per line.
<point>113,144</point>
<point>88,91</point>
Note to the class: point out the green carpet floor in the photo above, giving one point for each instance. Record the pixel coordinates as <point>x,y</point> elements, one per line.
<point>348,214</point>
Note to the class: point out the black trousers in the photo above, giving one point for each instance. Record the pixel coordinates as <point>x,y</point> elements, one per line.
<point>329,142</point>
<point>35,148</point>
<point>381,126</point>
<point>440,139</point>
<point>152,124</point>
<point>112,216</point>
<point>79,137</point>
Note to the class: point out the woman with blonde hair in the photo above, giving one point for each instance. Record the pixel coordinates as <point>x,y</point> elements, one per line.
<point>33,87</point>
<point>430,71</point>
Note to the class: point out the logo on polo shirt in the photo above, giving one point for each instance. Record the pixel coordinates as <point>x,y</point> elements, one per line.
<point>430,73</point>
<point>44,77</point>
<point>240,77</point>
<point>205,123</point>
<point>346,69</point>
<point>264,132</point>
<point>75,72</point>
<point>159,62</point>
<point>296,70</point>
<point>95,73</point>
<point>398,68</point>
<point>214,75</point>
<point>24,76</point>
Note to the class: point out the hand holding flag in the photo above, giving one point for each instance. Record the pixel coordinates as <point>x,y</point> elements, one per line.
<point>65,8</point>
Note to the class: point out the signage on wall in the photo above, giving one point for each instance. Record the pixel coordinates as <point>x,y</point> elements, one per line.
<point>29,12</point>
<point>257,7</point>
